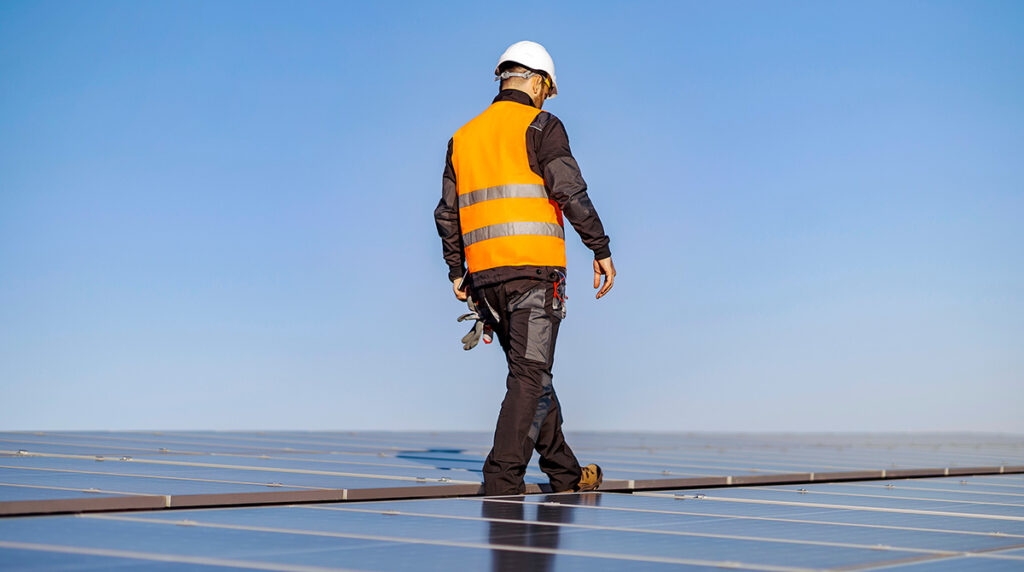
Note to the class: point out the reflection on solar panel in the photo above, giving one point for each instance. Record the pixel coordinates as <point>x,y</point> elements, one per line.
<point>76,471</point>
<point>936,524</point>
<point>790,521</point>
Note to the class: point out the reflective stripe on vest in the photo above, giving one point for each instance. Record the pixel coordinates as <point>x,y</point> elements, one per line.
<point>512,229</point>
<point>506,216</point>
<point>503,192</point>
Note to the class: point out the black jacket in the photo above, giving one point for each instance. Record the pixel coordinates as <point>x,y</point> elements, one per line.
<point>547,146</point>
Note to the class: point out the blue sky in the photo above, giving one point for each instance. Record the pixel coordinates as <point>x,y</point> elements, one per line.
<point>219,214</point>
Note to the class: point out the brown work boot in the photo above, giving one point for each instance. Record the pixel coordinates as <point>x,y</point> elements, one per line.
<point>591,479</point>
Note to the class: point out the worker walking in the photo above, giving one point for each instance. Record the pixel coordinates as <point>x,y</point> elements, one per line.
<point>509,179</point>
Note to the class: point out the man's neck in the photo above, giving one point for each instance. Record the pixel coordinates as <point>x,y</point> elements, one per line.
<point>517,95</point>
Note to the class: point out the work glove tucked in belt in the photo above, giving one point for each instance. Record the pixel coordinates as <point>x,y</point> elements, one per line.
<point>479,329</point>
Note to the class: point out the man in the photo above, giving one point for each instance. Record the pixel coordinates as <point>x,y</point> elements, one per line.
<point>509,178</point>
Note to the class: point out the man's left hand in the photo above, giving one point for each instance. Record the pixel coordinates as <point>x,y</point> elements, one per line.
<point>604,267</point>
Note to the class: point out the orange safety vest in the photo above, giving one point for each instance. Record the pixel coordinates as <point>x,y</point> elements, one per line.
<point>505,214</point>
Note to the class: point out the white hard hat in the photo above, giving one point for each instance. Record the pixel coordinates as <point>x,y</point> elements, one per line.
<point>531,55</point>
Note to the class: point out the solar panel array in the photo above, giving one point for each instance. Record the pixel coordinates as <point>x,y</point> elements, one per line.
<point>45,471</point>
<point>788,522</point>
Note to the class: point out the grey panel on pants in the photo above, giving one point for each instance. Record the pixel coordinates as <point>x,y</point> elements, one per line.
<point>538,333</point>
<point>544,403</point>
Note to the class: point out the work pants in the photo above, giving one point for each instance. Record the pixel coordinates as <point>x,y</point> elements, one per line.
<point>525,315</point>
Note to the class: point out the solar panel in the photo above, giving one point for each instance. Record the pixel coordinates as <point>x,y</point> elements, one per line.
<point>44,472</point>
<point>892,524</point>
<point>669,501</point>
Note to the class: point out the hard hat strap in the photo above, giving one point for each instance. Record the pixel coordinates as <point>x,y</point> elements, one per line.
<point>507,74</point>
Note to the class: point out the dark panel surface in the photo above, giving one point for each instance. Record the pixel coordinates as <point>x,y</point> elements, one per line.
<point>592,531</point>
<point>289,550</point>
<point>199,462</point>
<point>915,524</point>
<point>961,564</point>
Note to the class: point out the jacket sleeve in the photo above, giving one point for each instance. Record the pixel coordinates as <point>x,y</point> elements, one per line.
<point>446,217</point>
<point>565,183</point>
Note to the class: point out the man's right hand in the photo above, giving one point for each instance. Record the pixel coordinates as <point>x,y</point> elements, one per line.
<point>605,267</point>
<point>459,293</point>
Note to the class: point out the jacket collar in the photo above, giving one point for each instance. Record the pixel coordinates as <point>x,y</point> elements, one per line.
<point>514,95</point>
